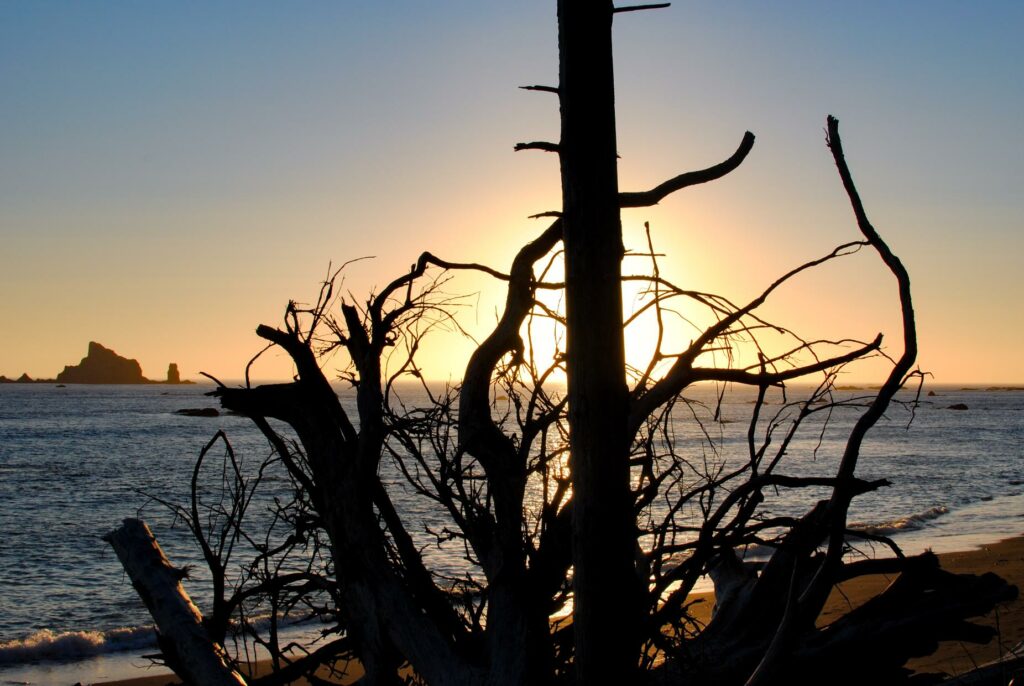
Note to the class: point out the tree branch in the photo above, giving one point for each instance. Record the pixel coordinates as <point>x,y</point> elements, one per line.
<point>544,89</point>
<point>658,193</point>
<point>537,145</point>
<point>637,8</point>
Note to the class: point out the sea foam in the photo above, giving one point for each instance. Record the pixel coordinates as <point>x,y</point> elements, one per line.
<point>74,645</point>
<point>909,523</point>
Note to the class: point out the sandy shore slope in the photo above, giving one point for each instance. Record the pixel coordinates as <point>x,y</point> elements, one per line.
<point>1005,558</point>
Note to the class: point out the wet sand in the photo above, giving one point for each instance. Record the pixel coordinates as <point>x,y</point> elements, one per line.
<point>1005,558</point>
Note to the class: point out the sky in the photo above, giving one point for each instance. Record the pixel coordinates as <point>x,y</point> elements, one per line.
<point>172,173</point>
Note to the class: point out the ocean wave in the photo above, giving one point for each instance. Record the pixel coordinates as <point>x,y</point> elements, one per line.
<point>74,645</point>
<point>909,523</point>
<point>68,646</point>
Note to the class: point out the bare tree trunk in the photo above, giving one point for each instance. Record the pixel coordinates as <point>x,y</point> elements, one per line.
<point>188,648</point>
<point>607,590</point>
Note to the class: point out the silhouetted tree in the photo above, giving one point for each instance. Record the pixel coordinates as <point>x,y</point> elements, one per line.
<point>607,590</point>
<point>587,500</point>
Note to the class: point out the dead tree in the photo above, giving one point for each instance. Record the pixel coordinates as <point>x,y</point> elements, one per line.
<point>586,500</point>
<point>607,590</point>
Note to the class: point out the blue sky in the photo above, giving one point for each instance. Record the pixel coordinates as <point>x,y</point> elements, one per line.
<point>172,173</point>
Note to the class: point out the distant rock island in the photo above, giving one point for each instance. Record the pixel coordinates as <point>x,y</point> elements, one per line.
<point>103,366</point>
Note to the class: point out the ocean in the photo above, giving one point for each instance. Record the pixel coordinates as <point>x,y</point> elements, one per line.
<point>75,461</point>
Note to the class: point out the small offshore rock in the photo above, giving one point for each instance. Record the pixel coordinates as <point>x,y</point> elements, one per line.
<point>199,412</point>
<point>957,406</point>
<point>173,375</point>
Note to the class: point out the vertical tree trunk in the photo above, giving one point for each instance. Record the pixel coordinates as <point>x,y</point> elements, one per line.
<point>606,616</point>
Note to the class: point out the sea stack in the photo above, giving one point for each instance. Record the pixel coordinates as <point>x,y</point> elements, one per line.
<point>103,365</point>
<point>173,375</point>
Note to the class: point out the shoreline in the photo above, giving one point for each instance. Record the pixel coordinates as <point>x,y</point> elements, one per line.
<point>1005,558</point>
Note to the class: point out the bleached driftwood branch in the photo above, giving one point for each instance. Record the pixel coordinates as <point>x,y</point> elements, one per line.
<point>193,656</point>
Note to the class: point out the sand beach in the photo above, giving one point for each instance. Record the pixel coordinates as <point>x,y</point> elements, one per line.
<point>1005,558</point>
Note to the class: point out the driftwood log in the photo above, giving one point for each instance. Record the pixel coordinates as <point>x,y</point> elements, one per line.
<point>187,648</point>
<point>871,644</point>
